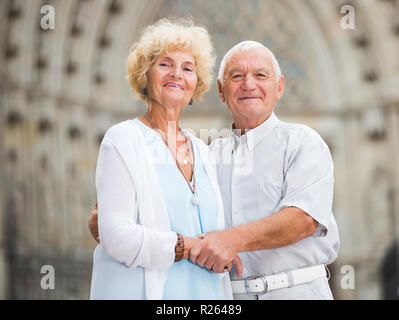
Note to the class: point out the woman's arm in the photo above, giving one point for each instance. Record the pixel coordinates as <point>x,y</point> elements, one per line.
<point>120,234</point>
<point>93,227</point>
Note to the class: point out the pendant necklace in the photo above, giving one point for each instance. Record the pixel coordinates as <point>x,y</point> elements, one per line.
<point>194,199</point>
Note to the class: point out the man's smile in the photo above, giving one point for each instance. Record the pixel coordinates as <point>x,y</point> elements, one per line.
<point>248,98</point>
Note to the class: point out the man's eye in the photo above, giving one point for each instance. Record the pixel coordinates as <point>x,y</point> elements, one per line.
<point>237,76</point>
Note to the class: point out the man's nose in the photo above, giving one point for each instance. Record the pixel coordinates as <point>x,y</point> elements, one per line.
<point>248,82</point>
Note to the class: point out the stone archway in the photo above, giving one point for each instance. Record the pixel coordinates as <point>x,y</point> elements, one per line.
<point>60,89</point>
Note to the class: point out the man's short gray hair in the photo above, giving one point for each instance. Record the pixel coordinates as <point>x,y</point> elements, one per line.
<point>243,46</point>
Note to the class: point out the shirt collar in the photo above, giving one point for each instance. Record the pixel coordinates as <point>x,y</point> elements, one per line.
<point>253,136</point>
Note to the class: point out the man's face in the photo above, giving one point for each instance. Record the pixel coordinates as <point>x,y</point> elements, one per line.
<point>250,88</point>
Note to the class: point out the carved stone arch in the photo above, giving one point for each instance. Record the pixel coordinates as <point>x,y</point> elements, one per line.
<point>82,64</point>
<point>288,28</point>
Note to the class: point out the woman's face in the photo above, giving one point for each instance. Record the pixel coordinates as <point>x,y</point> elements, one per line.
<point>172,79</point>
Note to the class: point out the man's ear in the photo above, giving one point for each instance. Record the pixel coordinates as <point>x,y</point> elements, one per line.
<point>280,87</point>
<point>220,90</point>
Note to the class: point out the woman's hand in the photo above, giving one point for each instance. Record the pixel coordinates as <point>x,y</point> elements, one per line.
<point>189,242</point>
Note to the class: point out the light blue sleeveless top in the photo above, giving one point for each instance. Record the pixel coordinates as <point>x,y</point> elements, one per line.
<point>185,279</point>
<point>114,280</point>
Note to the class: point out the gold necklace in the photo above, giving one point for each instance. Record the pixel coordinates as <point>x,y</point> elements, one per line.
<point>194,198</point>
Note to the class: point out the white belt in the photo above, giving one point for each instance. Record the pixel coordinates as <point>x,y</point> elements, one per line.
<point>262,284</point>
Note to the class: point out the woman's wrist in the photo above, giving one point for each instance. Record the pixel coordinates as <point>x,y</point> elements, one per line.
<point>187,247</point>
<point>183,247</point>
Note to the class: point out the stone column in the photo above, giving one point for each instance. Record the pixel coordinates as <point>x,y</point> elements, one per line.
<point>3,266</point>
<point>394,144</point>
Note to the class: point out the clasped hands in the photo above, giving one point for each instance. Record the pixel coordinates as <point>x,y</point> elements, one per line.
<point>216,251</point>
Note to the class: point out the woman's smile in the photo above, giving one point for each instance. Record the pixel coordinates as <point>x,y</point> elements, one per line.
<point>173,85</point>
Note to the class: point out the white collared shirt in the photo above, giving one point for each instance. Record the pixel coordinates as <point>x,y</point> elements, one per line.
<point>273,166</point>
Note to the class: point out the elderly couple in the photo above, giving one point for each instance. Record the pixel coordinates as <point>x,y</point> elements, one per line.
<point>250,217</point>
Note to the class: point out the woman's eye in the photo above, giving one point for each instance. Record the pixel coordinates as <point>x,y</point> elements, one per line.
<point>188,69</point>
<point>164,64</point>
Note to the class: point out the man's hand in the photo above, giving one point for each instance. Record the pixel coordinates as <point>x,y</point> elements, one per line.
<point>216,250</point>
<point>93,223</point>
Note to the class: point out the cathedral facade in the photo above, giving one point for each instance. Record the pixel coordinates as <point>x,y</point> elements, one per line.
<point>62,84</point>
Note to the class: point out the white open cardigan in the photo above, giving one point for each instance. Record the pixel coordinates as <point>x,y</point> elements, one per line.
<point>133,223</point>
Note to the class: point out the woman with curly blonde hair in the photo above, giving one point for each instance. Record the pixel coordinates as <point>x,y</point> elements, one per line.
<point>156,184</point>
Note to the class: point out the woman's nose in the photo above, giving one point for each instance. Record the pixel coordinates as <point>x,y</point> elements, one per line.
<point>176,72</point>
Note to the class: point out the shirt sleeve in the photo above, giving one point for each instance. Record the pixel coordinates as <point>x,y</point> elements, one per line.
<point>309,180</point>
<point>120,234</point>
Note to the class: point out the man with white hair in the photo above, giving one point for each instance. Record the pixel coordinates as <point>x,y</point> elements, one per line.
<point>276,180</point>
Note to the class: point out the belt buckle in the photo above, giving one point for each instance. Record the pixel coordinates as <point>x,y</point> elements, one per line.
<point>263,277</point>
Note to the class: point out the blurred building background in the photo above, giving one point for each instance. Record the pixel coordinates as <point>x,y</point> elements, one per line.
<point>61,89</point>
